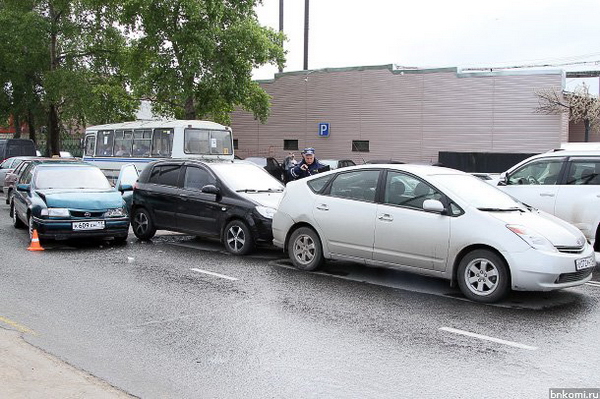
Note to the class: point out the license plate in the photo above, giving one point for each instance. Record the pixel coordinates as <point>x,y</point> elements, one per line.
<point>585,263</point>
<point>93,225</point>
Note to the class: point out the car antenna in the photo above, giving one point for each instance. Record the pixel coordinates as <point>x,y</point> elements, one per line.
<point>356,148</point>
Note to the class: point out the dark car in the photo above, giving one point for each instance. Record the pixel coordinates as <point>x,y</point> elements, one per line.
<point>68,200</point>
<point>270,164</point>
<point>16,147</point>
<point>231,201</point>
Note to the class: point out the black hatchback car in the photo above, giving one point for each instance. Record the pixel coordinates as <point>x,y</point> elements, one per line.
<point>231,201</point>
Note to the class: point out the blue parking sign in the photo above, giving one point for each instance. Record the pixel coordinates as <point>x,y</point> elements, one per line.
<point>323,129</point>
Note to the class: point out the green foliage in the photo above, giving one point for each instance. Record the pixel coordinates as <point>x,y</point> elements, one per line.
<point>194,58</point>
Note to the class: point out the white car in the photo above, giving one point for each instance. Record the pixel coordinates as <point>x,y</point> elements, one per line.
<point>434,221</point>
<point>565,183</point>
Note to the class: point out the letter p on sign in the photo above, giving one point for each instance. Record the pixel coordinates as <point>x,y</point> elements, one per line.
<point>323,129</point>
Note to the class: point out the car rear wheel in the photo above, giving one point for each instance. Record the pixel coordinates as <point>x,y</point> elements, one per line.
<point>305,250</point>
<point>142,224</point>
<point>483,276</point>
<point>237,238</point>
<point>16,221</point>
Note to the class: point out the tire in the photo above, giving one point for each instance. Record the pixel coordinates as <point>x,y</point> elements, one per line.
<point>16,221</point>
<point>483,276</point>
<point>30,227</point>
<point>142,224</point>
<point>237,238</point>
<point>305,250</point>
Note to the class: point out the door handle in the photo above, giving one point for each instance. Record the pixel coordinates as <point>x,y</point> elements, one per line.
<point>546,194</point>
<point>323,207</point>
<point>386,217</point>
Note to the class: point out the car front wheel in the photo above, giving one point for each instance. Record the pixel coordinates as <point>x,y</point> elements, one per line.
<point>142,224</point>
<point>237,238</point>
<point>304,249</point>
<point>483,276</point>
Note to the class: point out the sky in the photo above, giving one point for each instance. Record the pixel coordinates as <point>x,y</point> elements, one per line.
<point>439,33</point>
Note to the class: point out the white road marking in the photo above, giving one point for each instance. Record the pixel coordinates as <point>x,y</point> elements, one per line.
<point>215,274</point>
<point>593,283</point>
<point>485,337</point>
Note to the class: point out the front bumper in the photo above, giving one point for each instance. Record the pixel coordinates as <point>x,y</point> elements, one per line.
<point>62,229</point>
<point>535,270</point>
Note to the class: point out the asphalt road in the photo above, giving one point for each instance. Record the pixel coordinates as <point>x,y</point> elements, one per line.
<point>179,318</point>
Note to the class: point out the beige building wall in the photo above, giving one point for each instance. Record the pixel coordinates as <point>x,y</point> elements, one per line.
<point>406,115</point>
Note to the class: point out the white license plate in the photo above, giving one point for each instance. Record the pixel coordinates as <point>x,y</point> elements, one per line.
<point>585,263</point>
<point>93,225</point>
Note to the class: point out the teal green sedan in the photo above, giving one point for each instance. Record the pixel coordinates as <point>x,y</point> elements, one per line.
<point>64,201</point>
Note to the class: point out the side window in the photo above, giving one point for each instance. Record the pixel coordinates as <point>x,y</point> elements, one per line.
<point>26,175</point>
<point>90,145</point>
<point>166,175</point>
<point>406,190</point>
<point>162,142</point>
<point>357,185</point>
<point>196,178</point>
<point>195,141</point>
<point>142,138</point>
<point>105,143</point>
<point>543,171</point>
<point>584,172</point>
<point>123,140</point>
<point>317,184</point>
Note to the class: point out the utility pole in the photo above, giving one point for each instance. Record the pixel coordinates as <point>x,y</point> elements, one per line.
<point>305,35</point>
<point>280,23</point>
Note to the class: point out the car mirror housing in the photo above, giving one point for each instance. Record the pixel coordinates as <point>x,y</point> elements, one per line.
<point>432,205</point>
<point>125,187</point>
<point>210,189</point>
<point>23,187</point>
<point>503,179</point>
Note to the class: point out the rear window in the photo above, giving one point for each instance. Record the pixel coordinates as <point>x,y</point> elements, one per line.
<point>166,175</point>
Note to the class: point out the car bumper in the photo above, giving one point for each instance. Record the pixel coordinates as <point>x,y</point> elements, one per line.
<point>261,228</point>
<point>535,270</point>
<point>63,229</point>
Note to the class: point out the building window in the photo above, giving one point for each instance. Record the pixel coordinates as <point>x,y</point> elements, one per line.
<point>235,144</point>
<point>290,145</point>
<point>360,145</point>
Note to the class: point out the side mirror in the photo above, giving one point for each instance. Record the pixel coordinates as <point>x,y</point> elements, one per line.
<point>503,181</point>
<point>210,189</point>
<point>125,187</point>
<point>23,187</point>
<point>432,205</point>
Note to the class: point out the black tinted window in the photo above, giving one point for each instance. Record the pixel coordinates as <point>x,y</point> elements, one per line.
<point>166,175</point>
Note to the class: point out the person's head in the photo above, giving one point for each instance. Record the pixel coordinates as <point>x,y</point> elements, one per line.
<point>291,154</point>
<point>309,155</point>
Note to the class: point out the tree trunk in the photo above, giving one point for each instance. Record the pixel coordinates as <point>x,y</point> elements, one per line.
<point>17,123</point>
<point>53,131</point>
<point>190,110</point>
<point>31,124</point>
<point>586,123</point>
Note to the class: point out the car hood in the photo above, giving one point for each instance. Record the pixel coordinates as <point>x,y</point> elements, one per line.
<point>558,232</point>
<point>81,199</point>
<point>270,200</point>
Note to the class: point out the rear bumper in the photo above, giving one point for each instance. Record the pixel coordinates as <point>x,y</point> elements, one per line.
<point>63,229</point>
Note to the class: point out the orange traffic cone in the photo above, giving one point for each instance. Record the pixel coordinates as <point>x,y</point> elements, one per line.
<point>35,242</point>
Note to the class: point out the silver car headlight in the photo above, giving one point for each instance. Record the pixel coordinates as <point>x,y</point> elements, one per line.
<point>115,212</point>
<point>532,237</point>
<point>55,212</point>
<point>266,211</point>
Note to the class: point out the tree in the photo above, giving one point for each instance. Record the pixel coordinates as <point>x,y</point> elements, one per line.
<point>65,58</point>
<point>580,104</point>
<point>194,58</point>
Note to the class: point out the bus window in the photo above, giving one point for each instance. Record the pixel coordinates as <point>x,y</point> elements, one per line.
<point>105,142</point>
<point>90,145</point>
<point>162,142</point>
<point>200,141</point>
<point>123,141</point>
<point>142,138</point>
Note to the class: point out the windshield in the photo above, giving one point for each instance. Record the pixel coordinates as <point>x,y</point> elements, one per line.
<point>80,177</point>
<point>246,177</point>
<point>476,192</point>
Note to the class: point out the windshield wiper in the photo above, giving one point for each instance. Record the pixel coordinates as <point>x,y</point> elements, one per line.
<point>246,190</point>
<point>501,209</point>
<point>271,190</point>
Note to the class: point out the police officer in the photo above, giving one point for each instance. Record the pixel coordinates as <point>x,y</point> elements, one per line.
<point>308,166</point>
